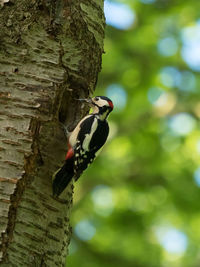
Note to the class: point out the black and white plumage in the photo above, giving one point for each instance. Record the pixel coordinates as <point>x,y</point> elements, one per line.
<point>84,142</point>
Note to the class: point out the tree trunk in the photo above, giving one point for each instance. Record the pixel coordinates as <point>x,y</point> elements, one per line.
<point>50,54</point>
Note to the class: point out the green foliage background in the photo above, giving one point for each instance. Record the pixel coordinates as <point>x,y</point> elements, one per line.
<point>141,190</point>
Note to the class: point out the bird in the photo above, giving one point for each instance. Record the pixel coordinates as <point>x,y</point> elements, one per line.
<point>84,142</point>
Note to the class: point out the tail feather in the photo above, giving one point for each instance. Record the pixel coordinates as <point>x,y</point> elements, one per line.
<point>62,177</point>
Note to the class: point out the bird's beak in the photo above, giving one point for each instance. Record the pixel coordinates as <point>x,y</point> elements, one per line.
<point>87,100</point>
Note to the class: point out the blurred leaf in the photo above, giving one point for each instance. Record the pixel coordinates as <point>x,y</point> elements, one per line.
<point>141,192</point>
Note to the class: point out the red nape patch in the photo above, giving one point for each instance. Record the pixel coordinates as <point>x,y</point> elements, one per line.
<point>111,104</point>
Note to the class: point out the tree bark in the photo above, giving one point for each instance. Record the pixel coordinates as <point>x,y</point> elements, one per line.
<point>50,54</point>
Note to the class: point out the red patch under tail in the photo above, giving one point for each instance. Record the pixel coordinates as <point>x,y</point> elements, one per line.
<point>70,152</point>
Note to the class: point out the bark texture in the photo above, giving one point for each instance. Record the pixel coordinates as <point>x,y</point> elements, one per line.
<point>50,54</point>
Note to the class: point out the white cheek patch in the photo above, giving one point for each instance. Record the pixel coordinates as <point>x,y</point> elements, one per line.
<point>102,103</point>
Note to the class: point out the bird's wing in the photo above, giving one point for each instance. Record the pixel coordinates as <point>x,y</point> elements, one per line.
<point>93,134</point>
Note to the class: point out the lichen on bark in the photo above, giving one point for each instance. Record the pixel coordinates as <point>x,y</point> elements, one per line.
<point>50,54</point>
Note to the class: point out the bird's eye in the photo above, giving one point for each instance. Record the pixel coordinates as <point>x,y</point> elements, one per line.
<point>96,98</point>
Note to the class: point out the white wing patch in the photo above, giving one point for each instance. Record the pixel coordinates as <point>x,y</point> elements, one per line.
<point>88,137</point>
<point>83,156</point>
<point>74,134</point>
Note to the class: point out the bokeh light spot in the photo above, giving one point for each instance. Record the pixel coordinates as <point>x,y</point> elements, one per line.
<point>118,15</point>
<point>170,143</point>
<point>187,81</point>
<point>197,176</point>
<point>169,76</point>
<point>147,1</point>
<point>181,124</point>
<point>156,96</point>
<point>167,46</point>
<point>102,198</point>
<point>118,96</point>
<point>191,46</point>
<point>172,240</point>
<point>85,230</point>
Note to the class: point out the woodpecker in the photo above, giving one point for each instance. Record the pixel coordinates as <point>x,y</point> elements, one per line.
<point>84,141</point>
